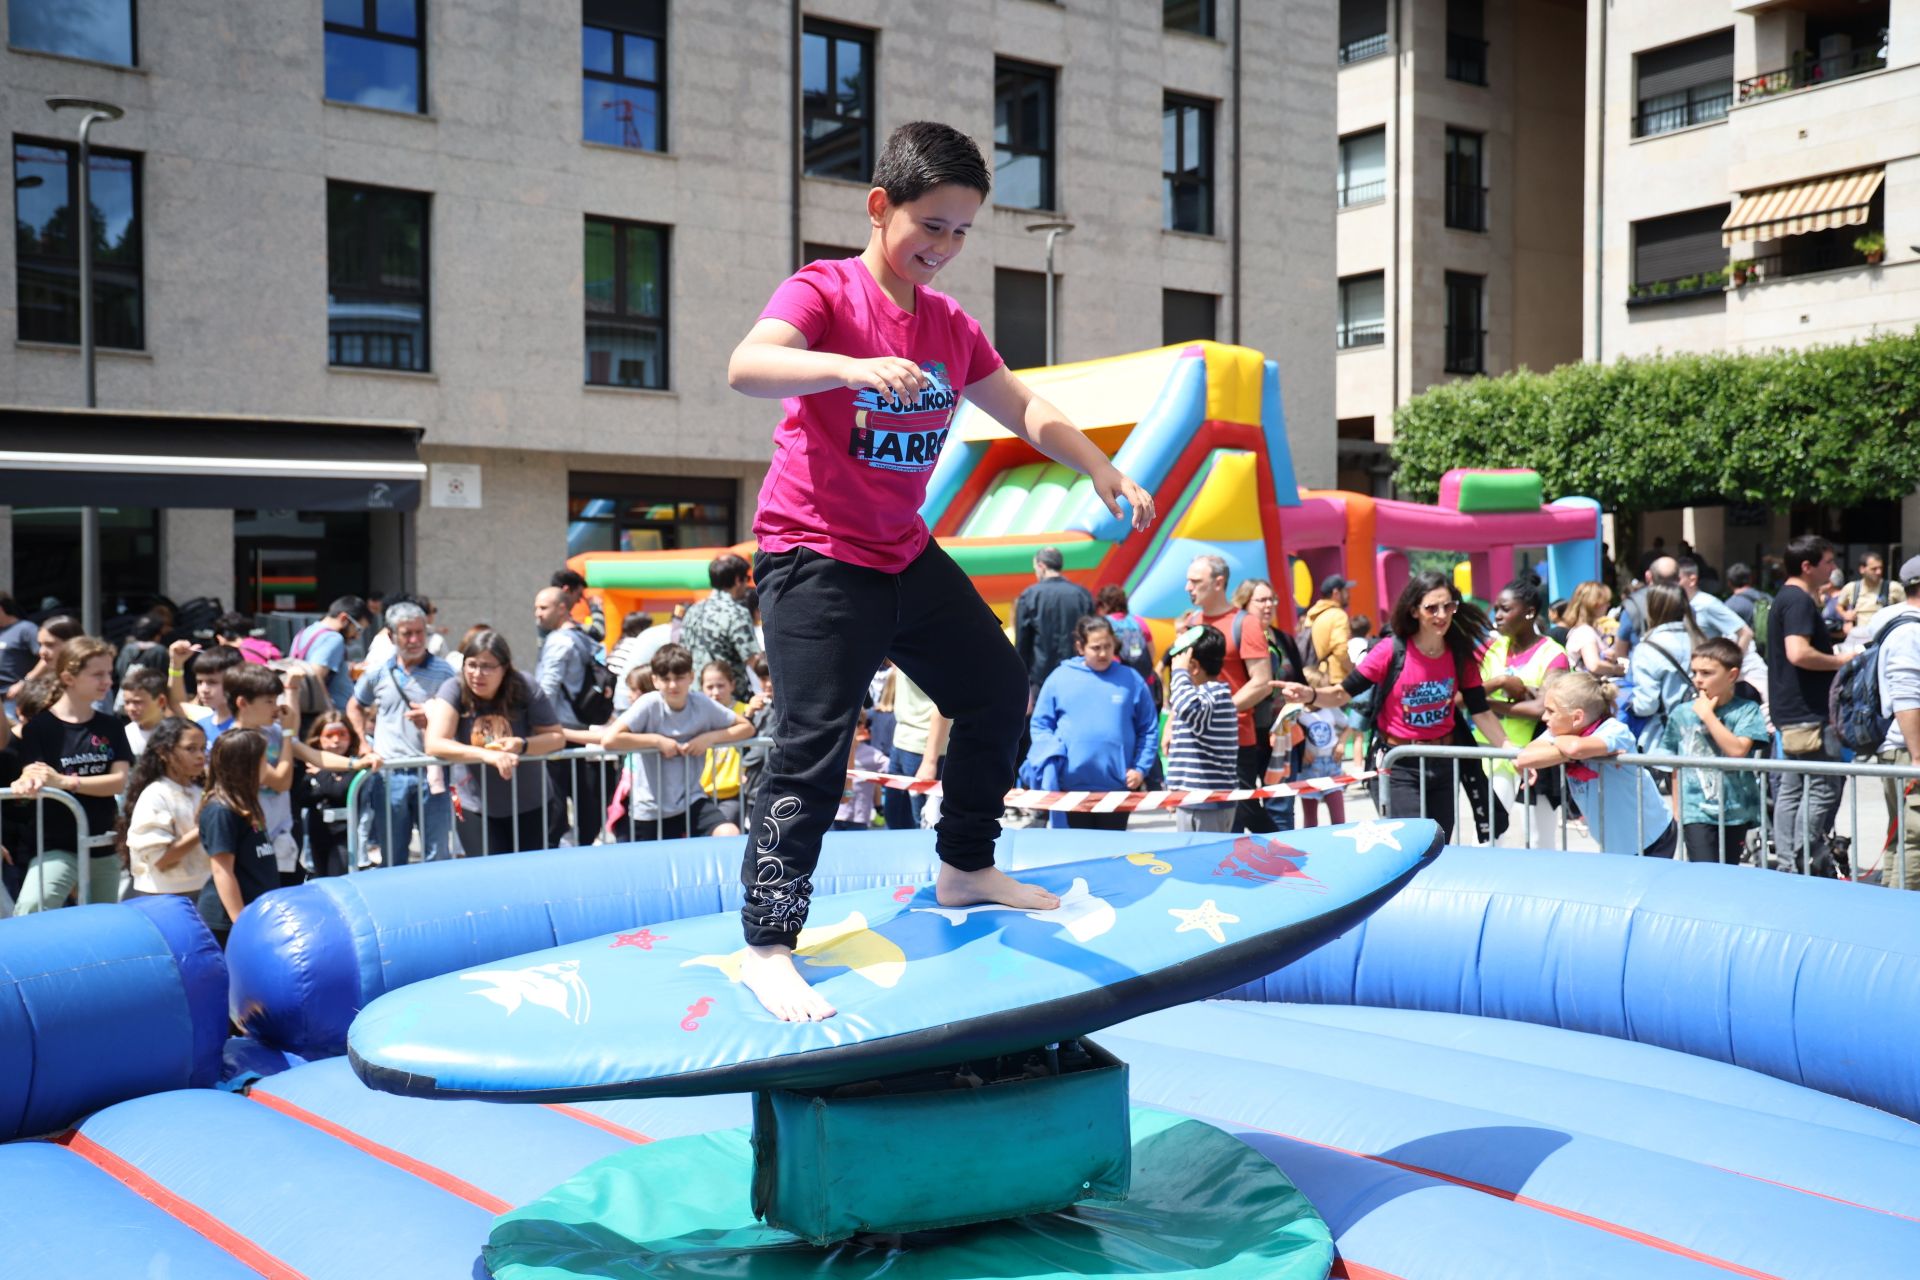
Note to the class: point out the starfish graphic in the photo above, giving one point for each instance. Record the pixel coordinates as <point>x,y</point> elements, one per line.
<point>1206,917</point>
<point>1367,835</point>
<point>644,939</point>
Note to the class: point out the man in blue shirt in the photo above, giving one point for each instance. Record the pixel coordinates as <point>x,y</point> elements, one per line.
<point>323,646</point>
<point>19,647</point>
<point>398,691</point>
<point>1713,617</point>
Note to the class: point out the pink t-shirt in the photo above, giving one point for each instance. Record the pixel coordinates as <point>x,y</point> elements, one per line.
<point>1420,705</point>
<point>849,469</point>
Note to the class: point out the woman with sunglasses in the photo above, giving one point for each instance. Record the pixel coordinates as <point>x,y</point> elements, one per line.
<point>1436,638</point>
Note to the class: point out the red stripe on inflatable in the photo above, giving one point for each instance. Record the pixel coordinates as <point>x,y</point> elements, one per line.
<point>400,1160</point>
<point>1818,1195</point>
<point>1345,1270</point>
<point>187,1213</point>
<point>1528,1202</point>
<point>599,1122</point>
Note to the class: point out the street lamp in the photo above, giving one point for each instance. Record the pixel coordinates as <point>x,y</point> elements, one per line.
<point>93,112</point>
<point>1054,229</point>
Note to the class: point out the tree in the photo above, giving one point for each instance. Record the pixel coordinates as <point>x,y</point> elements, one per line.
<point>1825,424</point>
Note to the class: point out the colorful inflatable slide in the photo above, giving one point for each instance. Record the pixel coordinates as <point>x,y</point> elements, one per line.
<point>1200,426</point>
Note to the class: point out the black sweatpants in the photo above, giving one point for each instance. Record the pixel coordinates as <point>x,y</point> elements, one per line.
<point>828,625</point>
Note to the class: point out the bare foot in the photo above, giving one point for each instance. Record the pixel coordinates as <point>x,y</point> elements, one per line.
<point>957,888</point>
<point>769,973</point>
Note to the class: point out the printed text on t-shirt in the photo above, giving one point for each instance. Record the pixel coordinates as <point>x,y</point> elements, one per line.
<point>896,435</point>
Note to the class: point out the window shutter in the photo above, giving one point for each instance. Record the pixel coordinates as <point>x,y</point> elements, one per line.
<point>1681,244</point>
<point>1688,65</point>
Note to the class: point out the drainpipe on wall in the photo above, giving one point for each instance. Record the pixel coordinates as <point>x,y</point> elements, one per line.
<point>795,159</point>
<point>1234,253</point>
<point>1600,196</point>
<point>1399,191</point>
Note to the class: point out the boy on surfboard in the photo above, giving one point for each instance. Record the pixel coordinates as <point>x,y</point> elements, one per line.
<point>869,364</point>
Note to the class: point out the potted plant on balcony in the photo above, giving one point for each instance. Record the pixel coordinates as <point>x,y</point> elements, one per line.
<point>1872,246</point>
<point>1715,279</point>
<point>1660,288</point>
<point>1745,271</point>
<point>1687,284</point>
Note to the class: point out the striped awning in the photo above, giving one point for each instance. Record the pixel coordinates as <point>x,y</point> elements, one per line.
<point>1839,200</point>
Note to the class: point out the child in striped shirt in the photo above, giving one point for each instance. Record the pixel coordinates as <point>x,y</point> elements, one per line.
<point>1203,730</point>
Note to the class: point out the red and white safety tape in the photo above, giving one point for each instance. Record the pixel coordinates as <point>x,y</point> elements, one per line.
<point>1122,801</point>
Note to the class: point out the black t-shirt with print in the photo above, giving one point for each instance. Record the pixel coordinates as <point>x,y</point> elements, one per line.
<point>84,750</point>
<point>1798,696</point>
<point>224,831</point>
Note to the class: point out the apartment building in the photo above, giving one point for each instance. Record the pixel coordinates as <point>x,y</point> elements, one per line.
<point>1753,183</point>
<point>437,294</point>
<point>1458,186</point>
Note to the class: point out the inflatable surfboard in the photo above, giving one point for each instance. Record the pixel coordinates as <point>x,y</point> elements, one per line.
<point>659,1010</point>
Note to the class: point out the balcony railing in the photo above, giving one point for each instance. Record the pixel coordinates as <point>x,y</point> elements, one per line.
<point>1362,335</point>
<point>1466,59</point>
<point>1362,193</point>
<point>1363,48</point>
<point>1466,207</point>
<point>1702,284</point>
<point>1808,258</point>
<point>1808,71</point>
<point>1466,350</point>
<point>1682,115</point>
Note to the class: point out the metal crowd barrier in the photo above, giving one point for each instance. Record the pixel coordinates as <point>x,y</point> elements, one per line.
<point>1764,766</point>
<point>538,777</point>
<point>83,856</point>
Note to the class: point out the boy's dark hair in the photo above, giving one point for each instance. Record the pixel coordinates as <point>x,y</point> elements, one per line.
<point>232,626</point>
<point>633,624</point>
<point>567,580</point>
<point>1210,650</point>
<point>926,154</point>
<point>217,661</point>
<point>37,695</point>
<point>1739,575</point>
<point>727,569</point>
<point>148,626</point>
<point>251,681</point>
<point>671,660</point>
<point>1361,626</point>
<point>1808,548</point>
<point>1721,650</point>
<point>148,680</point>
<point>353,606</point>
<point>758,665</point>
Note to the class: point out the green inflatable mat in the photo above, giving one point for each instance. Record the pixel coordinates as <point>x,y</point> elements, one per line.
<point>1202,1204</point>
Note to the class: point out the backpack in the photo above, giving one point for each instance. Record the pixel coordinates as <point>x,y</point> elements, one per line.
<point>1762,610</point>
<point>1313,665</point>
<point>592,702</point>
<point>1132,641</point>
<point>1854,705</point>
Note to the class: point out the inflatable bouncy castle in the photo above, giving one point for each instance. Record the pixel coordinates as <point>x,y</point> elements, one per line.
<point>1200,426</point>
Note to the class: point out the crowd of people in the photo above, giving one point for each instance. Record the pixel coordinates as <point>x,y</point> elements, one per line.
<point>216,767</point>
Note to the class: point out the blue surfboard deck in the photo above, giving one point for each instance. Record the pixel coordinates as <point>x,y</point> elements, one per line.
<point>659,1011</point>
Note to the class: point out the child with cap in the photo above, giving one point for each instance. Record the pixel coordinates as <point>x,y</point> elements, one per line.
<point>1203,729</point>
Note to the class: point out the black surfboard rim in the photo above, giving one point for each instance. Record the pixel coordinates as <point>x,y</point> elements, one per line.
<point>1006,1031</point>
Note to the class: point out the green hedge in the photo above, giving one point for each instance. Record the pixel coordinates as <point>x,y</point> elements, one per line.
<point>1827,424</point>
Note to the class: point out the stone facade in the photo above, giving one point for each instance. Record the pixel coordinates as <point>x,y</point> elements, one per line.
<point>238,145</point>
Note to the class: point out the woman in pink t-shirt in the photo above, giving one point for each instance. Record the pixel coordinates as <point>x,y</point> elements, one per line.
<point>869,364</point>
<point>1437,637</point>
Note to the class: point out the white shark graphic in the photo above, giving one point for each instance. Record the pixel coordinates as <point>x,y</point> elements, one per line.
<point>1079,913</point>
<point>554,986</point>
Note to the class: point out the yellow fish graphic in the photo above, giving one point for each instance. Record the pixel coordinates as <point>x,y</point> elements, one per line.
<point>847,945</point>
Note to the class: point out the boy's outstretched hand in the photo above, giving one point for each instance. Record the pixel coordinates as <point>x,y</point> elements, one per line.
<point>1112,486</point>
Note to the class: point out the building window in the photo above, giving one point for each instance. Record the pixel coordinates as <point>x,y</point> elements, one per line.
<point>1022,135</point>
<point>1466,323</point>
<point>836,90</point>
<point>1186,165</point>
<point>1195,16</point>
<point>46,179</point>
<point>1186,316</point>
<point>613,512</point>
<point>1466,181</point>
<point>1363,311</point>
<point>98,30</point>
<point>1467,41</point>
<point>626,304</point>
<point>1683,84</point>
<point>1362,178</point>
<point>1020,316</point>
<point>377,53</point>
<point>294,562</point>
<point>46,556</point>
<point>1838,41</point>
<point>1678,256</point>
<point>1363,30</point>
<point>623,73</point>
<point>376,278</point>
